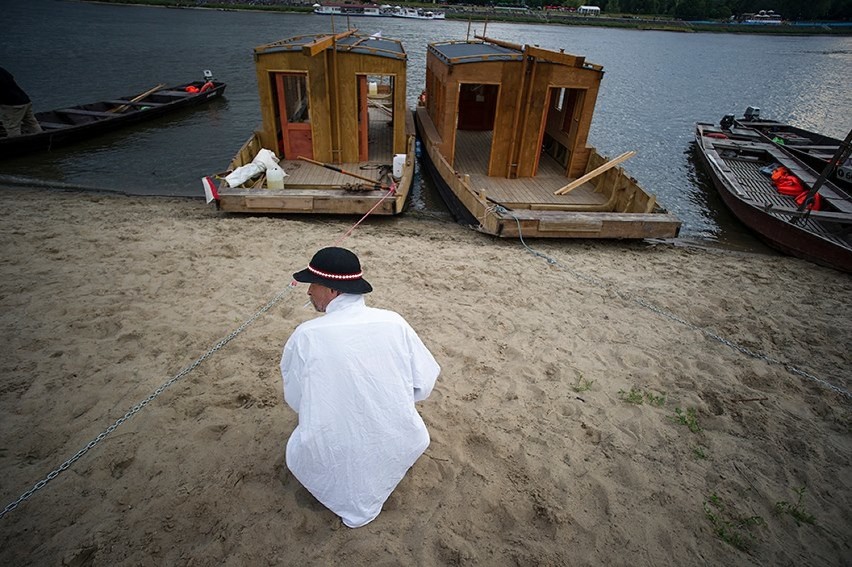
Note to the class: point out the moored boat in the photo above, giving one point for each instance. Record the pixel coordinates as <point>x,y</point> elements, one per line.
<point>335,122</point>
<point>742,167</point>
<point>504,130</point>
<point>354,10</point>
<point>418,13</point>
<point>71,124</point>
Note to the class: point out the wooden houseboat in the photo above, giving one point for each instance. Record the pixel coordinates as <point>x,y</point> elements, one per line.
<point>335,116</point>
<point>504,130</point>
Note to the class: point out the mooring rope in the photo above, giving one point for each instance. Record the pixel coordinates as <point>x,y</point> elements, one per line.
<point>138,407</point>
<point>669,315</point>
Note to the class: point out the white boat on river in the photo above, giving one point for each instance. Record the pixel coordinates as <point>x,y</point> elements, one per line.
<point>384,10</point>
<point>418,14</point>
<point>356,10</point>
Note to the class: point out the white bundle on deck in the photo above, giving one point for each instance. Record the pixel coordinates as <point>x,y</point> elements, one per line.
<point>263,160</point>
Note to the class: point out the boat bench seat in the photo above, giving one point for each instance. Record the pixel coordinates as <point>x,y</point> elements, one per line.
<point>131,103</point>
<point>174,93</point>
<point>85,112</point>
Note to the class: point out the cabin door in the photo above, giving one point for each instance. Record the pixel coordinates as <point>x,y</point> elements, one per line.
<point>477,108</point>
<point>293,115</point>
<point>375,118</point>
<point>561,124</point>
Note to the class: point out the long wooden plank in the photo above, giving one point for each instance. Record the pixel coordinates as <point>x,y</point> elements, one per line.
<point>556,57</point>
<point>134,103</point>
<point>137,98</point>
<point>594,173</point>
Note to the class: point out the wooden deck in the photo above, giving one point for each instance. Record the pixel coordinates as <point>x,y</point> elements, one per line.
<point>311,188</point>
<point>472,153</point>
<point>305,175</point>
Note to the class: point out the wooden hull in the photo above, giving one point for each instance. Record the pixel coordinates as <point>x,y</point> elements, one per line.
<point>309,188</point>
<point>824,238</point>
<point>572,216</point>
<point>73,124</point>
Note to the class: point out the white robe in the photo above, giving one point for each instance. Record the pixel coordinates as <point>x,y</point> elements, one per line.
<point>353,376</point>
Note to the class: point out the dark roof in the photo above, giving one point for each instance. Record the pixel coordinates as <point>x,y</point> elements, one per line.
<point>378,46</point>
<point>473,52</point>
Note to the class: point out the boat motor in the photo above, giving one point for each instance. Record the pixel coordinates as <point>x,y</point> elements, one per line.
<point>208,75</point>
<point>727,121</point>
<point>752,113</point>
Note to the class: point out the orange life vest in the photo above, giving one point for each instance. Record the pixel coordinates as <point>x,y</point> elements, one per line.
<point>788,184</point>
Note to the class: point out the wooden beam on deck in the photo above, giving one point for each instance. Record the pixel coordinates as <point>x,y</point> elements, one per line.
<point>320,45</point>
<point>594,173</point>
<point>501,43</point>
<point>555,56</point>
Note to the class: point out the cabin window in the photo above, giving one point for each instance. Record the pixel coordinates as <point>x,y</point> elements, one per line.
<point>296,98</point>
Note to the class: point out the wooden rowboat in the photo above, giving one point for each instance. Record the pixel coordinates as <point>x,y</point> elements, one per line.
<point>504,130</point>
<point>739,165</point>
<point>71,124</point>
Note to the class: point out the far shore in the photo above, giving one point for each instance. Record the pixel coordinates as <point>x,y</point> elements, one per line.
<point>477,13</point>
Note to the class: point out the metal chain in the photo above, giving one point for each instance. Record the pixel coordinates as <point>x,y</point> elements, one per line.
<point>138,407</point>
<point>627,297</point>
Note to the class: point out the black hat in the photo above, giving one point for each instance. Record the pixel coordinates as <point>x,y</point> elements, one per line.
<point>336,268</point>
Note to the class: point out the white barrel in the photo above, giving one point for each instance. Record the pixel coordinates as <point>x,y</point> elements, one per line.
<point>398,164</point>
<point>274,177</point>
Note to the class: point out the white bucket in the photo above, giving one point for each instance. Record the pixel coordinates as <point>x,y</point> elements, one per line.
<point>372,89</point>
<point>274,177</point>
<point>398,164</point>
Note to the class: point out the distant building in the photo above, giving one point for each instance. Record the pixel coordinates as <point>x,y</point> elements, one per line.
<point>589,10</point>
<point>762,17</point>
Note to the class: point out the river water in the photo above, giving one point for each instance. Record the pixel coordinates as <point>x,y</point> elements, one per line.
<point>656,86</point>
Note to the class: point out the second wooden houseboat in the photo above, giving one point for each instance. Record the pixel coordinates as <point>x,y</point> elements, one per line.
<point>336,121</point>
<point>504,130</point>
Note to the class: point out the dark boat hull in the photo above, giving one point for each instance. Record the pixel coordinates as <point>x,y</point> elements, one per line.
<point>784,237</point>
<point>806,239</point>
<point>94,122</point>
<point>457,209</point>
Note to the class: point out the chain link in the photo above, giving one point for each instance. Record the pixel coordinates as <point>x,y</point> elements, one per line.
<point>627,297</point>
<point>138,407</point>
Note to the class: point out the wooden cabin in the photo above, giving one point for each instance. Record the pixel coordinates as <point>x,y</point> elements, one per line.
<point>330,105</point>
<point>505,128</point>
<point>515,97</point>
<point>315,92</point>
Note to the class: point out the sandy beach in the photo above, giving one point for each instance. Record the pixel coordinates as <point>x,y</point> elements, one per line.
<point>600,403</point>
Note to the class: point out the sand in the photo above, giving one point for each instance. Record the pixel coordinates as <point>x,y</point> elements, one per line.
<point>560,423</point>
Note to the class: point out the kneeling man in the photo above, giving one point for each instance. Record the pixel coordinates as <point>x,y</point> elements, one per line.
<point>353,376</point>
